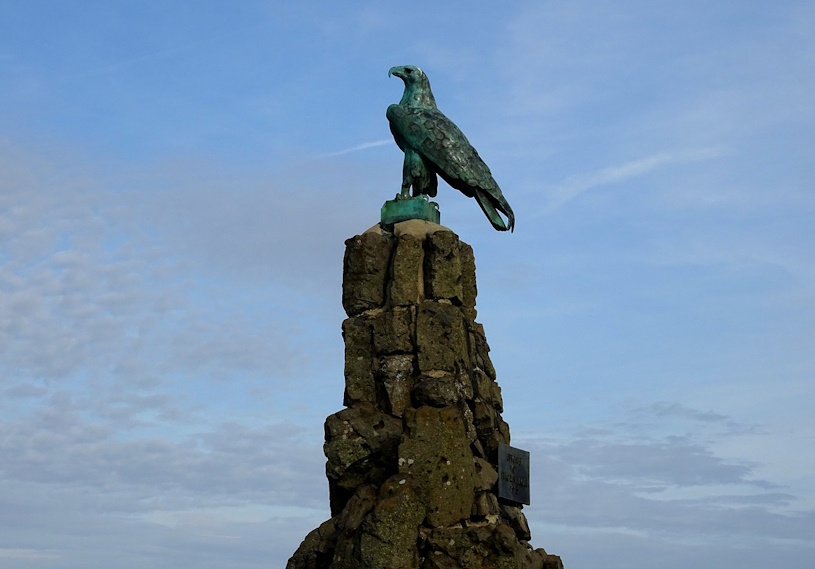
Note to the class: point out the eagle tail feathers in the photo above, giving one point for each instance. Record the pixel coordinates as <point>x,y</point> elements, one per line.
<point>491,205</point>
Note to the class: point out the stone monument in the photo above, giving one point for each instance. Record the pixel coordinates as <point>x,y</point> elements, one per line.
<point>413,458</point>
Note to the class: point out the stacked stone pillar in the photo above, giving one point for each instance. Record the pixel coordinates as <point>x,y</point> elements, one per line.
<point>412,459</point>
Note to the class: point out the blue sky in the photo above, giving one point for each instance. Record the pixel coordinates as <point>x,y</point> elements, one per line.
<point>177,180</point>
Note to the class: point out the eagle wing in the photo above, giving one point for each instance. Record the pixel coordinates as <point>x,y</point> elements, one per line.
<point>442,144</point>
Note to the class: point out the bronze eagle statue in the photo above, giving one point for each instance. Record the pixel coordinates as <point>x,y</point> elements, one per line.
<point>434,145</point>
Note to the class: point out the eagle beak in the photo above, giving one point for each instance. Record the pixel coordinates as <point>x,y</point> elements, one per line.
<point>398,71</point>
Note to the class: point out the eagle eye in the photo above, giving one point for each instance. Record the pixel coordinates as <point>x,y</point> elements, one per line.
<point>408,70</point>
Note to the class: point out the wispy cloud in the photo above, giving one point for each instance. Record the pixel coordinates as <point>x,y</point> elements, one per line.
<point>210,39</point>
<point>358,147</point>
<point>671,475</point>
<point>25,554</point>
<point>578,184</point>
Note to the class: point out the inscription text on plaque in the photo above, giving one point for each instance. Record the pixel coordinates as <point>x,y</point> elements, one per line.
<point>513,474</point>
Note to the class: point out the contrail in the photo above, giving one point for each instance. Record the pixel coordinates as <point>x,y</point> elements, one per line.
<point>580,183</point>
<point>363,146</point>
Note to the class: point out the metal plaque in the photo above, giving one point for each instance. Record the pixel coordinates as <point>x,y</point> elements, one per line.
<point>513,474</point>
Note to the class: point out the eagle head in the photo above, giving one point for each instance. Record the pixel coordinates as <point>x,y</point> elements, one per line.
<point>417,86</point>
<point>407,73</point>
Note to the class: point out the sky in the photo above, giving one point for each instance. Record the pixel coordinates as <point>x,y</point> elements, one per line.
<point>177,180</point>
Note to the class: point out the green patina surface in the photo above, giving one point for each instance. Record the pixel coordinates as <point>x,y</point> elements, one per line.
<point>434,147</point>
<point>402,209</point>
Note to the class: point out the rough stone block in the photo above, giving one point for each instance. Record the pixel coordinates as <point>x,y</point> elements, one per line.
<point>348,522</point>
<point>482,385</point>
<point>480,350</point>
<point>440,337</point>
<point>442,267</point>
<point>469,421</point>
<point>358,507</point>
<point>549,561</point>
<point>486,506</point>
<point>391,530</point>
<point>317,549</point>
<point>435,452</point>
<point>478,449</point>
<point>396,377</point>
<point>393,331</point>
<point>361,445</point>
<point>503,431</point>
<point>485,416</point>
<point>359,373</point>
<point>467,548</point>
<point>517,521</point>
<point>491,429</point>
<point>487,390</point>
<point>439,560</point>
<point>495,397</point>
<point>407,273</point>
<point>469,290</point>
<point>485,475</point>
<point>493,546</point>
<point>418,228</point>
<point>442,389</point>
<point>365,270</point>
